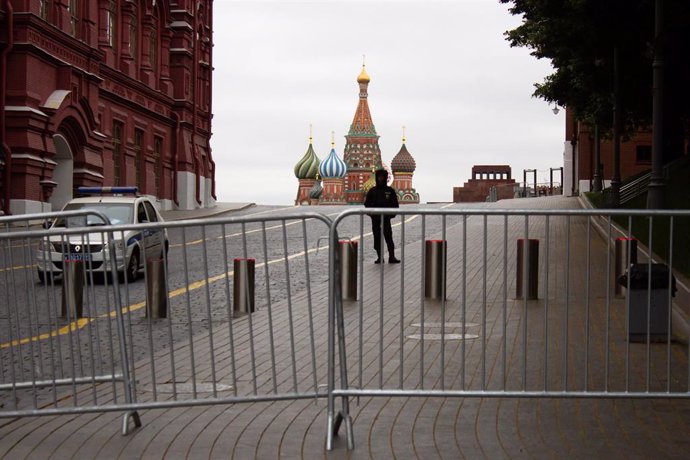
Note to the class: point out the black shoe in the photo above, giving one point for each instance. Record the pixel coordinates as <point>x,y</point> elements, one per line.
<point>393,260</point>
<point>377,261</point>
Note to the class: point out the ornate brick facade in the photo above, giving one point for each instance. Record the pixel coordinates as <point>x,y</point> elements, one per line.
<point>105,92</point>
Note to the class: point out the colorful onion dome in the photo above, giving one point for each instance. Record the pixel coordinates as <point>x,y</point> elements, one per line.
<point>403,161</point>
<point>363,76</point>
<point>370,183</point>
<point>316,190</point>
<point>332,167</point>
<point>308,165</point>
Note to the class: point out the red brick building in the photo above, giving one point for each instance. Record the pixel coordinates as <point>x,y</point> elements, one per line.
<point>105,92</point>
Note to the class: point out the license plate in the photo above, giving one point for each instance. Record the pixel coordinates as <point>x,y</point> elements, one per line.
<point>76,257</point>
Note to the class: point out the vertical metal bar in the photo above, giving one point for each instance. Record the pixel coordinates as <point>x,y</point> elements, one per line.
<point>402,304</point>
<point>505,302</point>
<point>149,323</point>
<point>669,306</point>
<point>443,302</point>
<point>90,312</point>
<point>567,306</point>
<point>330,422</point>
<point>129,316</point>
<point>381,293</point>
<point>250,321</point>
<point>422,303</point>
<point>269,306</point>
<point>546,303</point>
<point>587,289</point>
<point>47,260</point>
<point>360,358</point>
<point>228,302</point>
<point>464,297</point>
<point>16,311</point>
<point>11,340</point>
<point>484,274</point>
<point>209,315</point>
<point>525,294</point>
<point>289,305</point>
<point>190,335</point>
<point>627,315</point>
<point>309,306</point>
<point>649,300</point>
<point>24,243</point>
<point>607,339</point>
<point>94,307</point>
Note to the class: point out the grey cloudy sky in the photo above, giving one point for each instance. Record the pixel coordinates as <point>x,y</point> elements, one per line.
<point>441,68</point>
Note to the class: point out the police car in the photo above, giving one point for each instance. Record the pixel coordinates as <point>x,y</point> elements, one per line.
<point>130,246</point>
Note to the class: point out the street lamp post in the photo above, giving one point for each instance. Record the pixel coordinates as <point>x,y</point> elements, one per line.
<point>596,180</point>
<point>655,191</point>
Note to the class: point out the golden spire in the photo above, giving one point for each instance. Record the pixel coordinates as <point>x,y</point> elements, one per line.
<point>403,134</point>
<point>333,139</point>
<point>310,133</point>
<point>363,76</point>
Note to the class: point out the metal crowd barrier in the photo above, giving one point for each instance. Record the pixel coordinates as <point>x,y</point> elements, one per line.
<point>181,347</point>
<point>53,354</point>
<point>484,338</point>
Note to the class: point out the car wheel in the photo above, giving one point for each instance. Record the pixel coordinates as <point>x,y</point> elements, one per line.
<point>133,267</point>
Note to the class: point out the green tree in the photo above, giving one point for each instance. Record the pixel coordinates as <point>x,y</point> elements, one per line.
<point>579,37</point>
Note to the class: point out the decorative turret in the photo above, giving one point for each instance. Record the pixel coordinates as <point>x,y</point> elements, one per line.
<point>403,166</point>
<point>362,150</point>
<point>306,170</point>
<point>333,170</point>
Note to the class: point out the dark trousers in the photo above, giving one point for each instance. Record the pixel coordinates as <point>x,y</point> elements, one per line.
<point>387,233</point>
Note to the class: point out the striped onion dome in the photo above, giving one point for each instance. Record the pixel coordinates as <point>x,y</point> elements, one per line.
<point>308,165</point>
<point>332,167</point>
<point>403,161</point>
<point>316,190</point>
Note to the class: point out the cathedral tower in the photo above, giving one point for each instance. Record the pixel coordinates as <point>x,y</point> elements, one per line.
<point>362,150</point>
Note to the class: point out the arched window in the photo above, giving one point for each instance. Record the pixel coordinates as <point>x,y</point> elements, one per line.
<point>111,24</point>
<point>153,47</point>
<point>44,8</point>
<point>73,9</point>
<point>133,31</point>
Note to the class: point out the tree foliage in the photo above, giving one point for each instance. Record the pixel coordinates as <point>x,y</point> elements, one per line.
<point>579,38</point>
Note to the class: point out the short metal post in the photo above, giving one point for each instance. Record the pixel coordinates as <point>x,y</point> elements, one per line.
<point>624,246</point>
<point>435,269</point>
<point>156,289</point>
<point>347,258</point>
<point>527,269</point>
<point>243,285</point>
<point>72,288</point>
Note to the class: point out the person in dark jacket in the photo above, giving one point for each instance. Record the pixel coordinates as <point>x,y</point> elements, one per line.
<point>382,196</point>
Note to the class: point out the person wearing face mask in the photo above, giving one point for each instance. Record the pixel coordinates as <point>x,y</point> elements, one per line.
<point>382,196</point>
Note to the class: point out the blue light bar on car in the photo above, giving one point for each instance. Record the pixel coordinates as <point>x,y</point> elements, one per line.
<point>102,190</point>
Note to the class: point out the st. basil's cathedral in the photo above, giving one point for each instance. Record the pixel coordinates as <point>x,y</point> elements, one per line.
<point>346,181</point>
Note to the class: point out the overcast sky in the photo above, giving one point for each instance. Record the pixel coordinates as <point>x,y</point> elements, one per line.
<point>440,68</point>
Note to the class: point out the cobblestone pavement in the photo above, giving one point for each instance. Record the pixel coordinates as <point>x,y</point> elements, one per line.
<point>384,427</point>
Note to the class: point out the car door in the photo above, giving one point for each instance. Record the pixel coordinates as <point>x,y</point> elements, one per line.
<point>154,237</point>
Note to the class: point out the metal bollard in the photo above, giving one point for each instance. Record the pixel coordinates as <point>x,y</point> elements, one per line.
<point>347,260</point>
<point>72,288</point>
<point>527,269</point>
<point>621,261</point>
<point>435,269</point>
<point>156,289</point>
<point>243,285</point>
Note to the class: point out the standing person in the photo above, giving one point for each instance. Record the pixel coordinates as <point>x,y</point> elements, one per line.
<point>382,196</point>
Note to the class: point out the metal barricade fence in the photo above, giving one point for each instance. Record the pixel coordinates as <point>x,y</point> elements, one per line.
<point>482,338</point>
<point>201,352</point>
<point>53,355</point>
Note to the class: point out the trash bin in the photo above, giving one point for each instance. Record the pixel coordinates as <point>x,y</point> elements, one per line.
<point>639,310</point>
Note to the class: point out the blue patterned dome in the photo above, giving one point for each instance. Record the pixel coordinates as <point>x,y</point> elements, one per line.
<point>332,167</point>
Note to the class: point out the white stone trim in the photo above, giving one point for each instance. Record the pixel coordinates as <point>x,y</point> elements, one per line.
<point>181,25</point>
<point>24,108</point>
<point>28,207</point>
<point>28,156</point>
<point>89,172</point>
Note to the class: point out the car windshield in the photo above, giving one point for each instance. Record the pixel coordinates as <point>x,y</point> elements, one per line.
<point>118,213</point>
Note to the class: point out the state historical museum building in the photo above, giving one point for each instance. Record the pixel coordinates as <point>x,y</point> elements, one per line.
<point>105,92</point>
